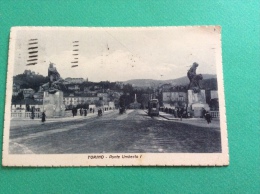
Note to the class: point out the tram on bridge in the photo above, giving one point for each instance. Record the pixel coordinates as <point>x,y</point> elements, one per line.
<point>153,107</point>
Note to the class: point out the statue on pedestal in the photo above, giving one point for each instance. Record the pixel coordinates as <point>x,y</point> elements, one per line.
<point>52,94</point>
<point>53,74</point>
<point>194,78</point>
<point>55,81</point>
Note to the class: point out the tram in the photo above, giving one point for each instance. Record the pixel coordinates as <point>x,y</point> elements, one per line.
<point>153,107</point>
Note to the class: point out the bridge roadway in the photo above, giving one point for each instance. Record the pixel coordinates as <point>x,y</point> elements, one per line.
<point>132,132</point>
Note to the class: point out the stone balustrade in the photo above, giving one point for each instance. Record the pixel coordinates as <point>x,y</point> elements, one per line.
<point>214,114</point>
<point>25,115</point>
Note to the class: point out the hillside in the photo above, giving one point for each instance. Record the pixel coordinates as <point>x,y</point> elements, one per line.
<point>29,81</point>
<point>144,83</point>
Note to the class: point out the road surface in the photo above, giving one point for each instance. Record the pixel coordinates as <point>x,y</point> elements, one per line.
<point>133,132</point>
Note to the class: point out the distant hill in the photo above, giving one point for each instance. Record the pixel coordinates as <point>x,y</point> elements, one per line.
<point>30,81</point>
<point>145,83</point>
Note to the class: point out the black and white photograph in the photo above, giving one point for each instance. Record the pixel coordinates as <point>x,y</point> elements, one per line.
<point>115,96</point>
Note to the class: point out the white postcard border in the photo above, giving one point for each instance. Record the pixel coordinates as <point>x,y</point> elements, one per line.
<point>129,159</point>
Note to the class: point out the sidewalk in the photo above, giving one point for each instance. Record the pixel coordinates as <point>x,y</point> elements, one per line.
<point>200,122</point>
<point>21,121</point>
<point>61,118</point>
<point>27,121</point>
<point>168,116</point>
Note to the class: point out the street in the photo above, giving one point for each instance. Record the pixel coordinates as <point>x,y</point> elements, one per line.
<point>132,132</point>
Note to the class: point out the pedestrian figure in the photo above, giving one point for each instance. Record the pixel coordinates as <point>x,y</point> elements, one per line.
<point>85,112</point>
<point>73,112</point>
<point>178,113</point>
<point>32,113</point>
<point>203,112</point>
<point>100,112</point>
<point>208,117</point>
<point>43,117</point>
<point>181,113</point>
<point>175,113</point>
<point>81,112</point>
<point>93,110</point>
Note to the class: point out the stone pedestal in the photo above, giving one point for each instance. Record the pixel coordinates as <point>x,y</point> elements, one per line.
<point>197,102</point>
<point>196,97</point>
<point>53,104</point>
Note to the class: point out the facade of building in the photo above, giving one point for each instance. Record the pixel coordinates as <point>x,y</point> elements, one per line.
<point>74,80</point>
<point>111,105</point>
<point>27,105</point>
<point>38,96</point>
<point>102,96</point>
<point>74,87</point>
<point>86,98</point>
<point>74,100</point>
<point>27,93</point>
<point>174,96</point>
<point>174,99</point>
<point>98,87</point>
<point>86,89</point>
<point>16,89</point>
<point>29,72</point>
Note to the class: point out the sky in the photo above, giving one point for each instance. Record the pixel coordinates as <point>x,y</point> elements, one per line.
<point>119,54</point>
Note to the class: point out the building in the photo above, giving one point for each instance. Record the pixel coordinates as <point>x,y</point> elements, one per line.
<point>97,87</point>
<point>99,99</point>
<point>26,105</point>
<point>111,105</point>
<point>70,80</point>
<point>87,89</point>
<point>74,87</point>
<point>16,89</point>
<point>38,96</point>
<point>25,109</point>
<point>76,99</point>
<point>29,73</point>
<point>28,93</point>
<point>175,98</point>
<point>102,96</point>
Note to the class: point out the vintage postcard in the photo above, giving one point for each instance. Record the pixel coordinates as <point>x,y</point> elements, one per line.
<point>123,96</point>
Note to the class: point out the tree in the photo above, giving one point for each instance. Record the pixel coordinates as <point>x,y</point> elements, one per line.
<point>18,98</point>
<point>144,100</point>
<point>128,88</point>
<point>30,81</point>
